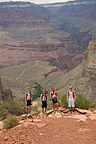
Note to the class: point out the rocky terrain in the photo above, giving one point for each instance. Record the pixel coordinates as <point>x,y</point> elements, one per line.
<point>82,77</point>
<point>90,67</point>
<point>55,128</point>
<point>77,13</point>
<point>29,31</point>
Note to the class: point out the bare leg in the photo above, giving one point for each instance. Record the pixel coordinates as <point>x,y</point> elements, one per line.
<point>57,106</point>
<point>43,110</point>
<point>27,109</point>
<point>30,108</point>
<point>70,109</point>
<point>53,106</point>
<point>73,109</point>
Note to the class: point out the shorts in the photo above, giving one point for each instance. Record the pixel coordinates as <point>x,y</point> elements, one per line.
<point>44,104</point>
<point>54,100</point>
<point>28,103</point>
<point>71,102</point>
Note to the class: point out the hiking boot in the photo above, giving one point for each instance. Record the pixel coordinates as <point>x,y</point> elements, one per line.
<point>42,116</point>
<point>45,115</point>
<point>28,115</point>
<point>70,111</point>
<point>54,112</point>
<point>58,111</point>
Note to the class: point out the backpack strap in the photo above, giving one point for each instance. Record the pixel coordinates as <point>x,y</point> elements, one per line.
<point>43,95</point>
<point>73,94</point>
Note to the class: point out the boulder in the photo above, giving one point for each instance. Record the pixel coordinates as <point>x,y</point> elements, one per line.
<point>49,112</point>
<point>66,111</point>
<point>95,111</point>
<point>58,115</point>
<point>24,116</point>
<point>37,120</point>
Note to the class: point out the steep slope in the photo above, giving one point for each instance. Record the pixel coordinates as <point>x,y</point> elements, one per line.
<point>28,28</point>
<point>82,77</point>
<point>80,14</point>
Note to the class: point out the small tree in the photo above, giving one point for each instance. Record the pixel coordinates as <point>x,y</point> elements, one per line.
<point>37,91</point>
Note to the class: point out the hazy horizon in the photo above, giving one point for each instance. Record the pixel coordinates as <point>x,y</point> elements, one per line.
<point>38,1</point>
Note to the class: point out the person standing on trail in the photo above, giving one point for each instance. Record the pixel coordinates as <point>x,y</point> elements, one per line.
<point>71,99</point>
<point>54,98</point>
<point>44,102</point>
<point>28,100</point>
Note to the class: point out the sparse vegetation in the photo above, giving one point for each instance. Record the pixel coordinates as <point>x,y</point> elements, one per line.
<point>10,122</point>
<point>93,105</point>
<point>64,101</point>
<point>12,106</point>
<point>36,108</point>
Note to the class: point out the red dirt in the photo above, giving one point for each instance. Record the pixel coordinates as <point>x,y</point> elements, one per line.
<point>51,131</point>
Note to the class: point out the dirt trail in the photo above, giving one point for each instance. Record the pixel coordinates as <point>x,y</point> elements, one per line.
<point>54,129</point>
<point>22,73</point>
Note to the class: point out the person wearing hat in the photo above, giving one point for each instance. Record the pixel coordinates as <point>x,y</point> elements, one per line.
<point>28,100</point>
<point>71,99</point>
<point>44,102</point>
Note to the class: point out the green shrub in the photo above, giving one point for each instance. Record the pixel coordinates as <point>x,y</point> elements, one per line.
<point>81,102</point>
<point>10,122</point>
<point>64,101</point>
<point>60,102</point>
<point>3,113</point>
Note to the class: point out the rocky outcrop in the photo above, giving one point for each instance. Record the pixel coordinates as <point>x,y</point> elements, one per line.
<point>91,57</point>
<point>90,68</point>
<point>34,32</point>
<point>51,71</point>
<point>4,93</point>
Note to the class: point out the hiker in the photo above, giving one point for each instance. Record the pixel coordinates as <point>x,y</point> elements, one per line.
<point>71,99</point>
<point>54,99</point>
<point>44,102</point>
<point>28,99</point>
